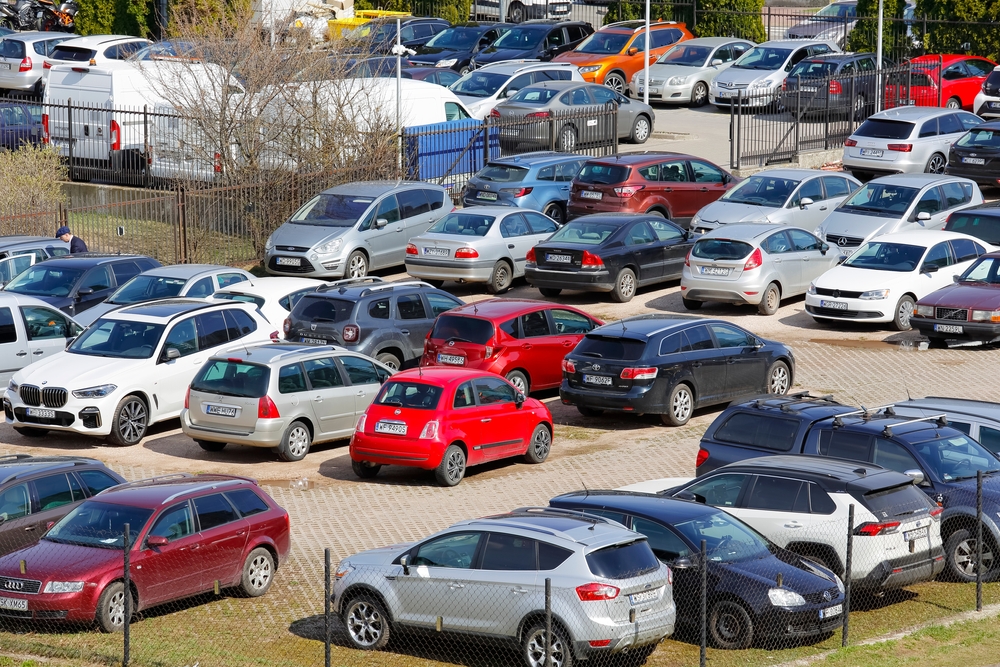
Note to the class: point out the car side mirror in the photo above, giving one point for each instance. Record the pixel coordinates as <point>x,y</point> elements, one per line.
<point>84,291</point>
<point>805,201</point>
<point>171,353</point>
<point>48,525</point>
<point>929,268</point>
<point>923,215</point>
<point>683,563</point>
<point>824,248</point>
<point>688,495</point>
<point>380,223</point>
<point>633,51</point>
<point>716,62</point>
<point>157,541</point>
<point>519,399</point>
<point>956,278</point>
<point>69,341</point>
<point>916,475</point>
<point>404,560</point>
<point>841,259</point>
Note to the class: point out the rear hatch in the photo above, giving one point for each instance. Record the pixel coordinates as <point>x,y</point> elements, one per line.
<point>321,320</point>
<point>880,139</point>
<point>227,394</point>
<point>62,54</point>
<point>459,340</point>
<point>399,416</point>
<point>607,363</point>
<point>597,182</point>
<point>496,182</point>
<point>631,568</point>
<point>721,259</point>
<point>902,515</point>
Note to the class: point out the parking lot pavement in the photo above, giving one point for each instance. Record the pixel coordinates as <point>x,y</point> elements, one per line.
<point>703,132</point>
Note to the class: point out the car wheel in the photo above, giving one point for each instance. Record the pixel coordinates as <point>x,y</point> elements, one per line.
<point>640,130</point>
<point>210,446</point>
<point>616,82</point>
<point>699,94</point>
<point>730,626</point>
<point>520,381</point>
<point>540,445</point>
<point>295,442</point>
<point>501,278</point>
<point>860,106</point>
<point>680,406</point>
<point>960,553</point>
<point>516,13</point>
<point>589,412</point>
<point>258,573</point>
<point>367,624</point>
<point>131,418</point>
<point>550,291</point>
<point>624,286</point>
<point>357,265</point>
<point>691,304</point>
<point>465,70</point>
<point>364,469</point>
<point>904,309</point>
<point>953,103</point>
<point>770,301</point>
<point>567,139</point>
<point>111,608</point>
<point>33,432</point>
<point>390,360</point>
<point>534,647</point>
<point>451,470</point>
<point>936,164</point>
<point>39,89</point>
<point>778,378</point>
<point>555,211</point>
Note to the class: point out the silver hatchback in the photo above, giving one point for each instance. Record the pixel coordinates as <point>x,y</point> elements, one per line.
<point>22,57</point>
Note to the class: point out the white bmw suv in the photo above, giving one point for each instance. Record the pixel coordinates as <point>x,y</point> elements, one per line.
<point>129,369</point>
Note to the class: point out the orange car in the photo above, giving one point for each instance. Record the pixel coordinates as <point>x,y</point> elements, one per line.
<point>614,53</point>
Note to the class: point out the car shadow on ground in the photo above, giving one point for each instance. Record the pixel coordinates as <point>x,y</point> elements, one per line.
<point>178,445</point>
<point>77,442</point>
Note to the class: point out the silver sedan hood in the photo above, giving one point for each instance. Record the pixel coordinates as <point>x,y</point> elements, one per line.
<point>844,223</point>
<point>723,212</point>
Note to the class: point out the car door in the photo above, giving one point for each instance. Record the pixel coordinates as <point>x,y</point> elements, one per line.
<point>47,330</point>
<point>507,577</point>
<point>502,430</point>
<point>778,507</point>
<point>517,239</point>
<point>124,272</point>
<point>95,286</point>
<point>933,274</point>
<point>172,570</point>
<point>18,524</point>
<point>950,130</point>
<point>812,262</point>
<point>530,349</point>
<point>809,216</point>
<point>383,232</point>
<point>11,266</point>
<point>413,322</point>
<point>555,43</point>
<point>415,210</point>
<point>14,350</point>
<point>647,252</point>
<point>228,278</point>
<point>954,82</point>
<point>978,71</point>
<point>365,380</point>
<point>331,400</point>
<point>52,496</point>
<point>223,537</point>
<point>708,184</point>
<point>542,227</point>
<point>780,251</point>
<point>930,202</point>
<point>608,99</point>
<point>707,363</point>
<point>435,584</point>
<point>746,368</point>
<point>675,247</point>
<point>171,377</point>
<point>202,289</point>
<point>568,329</point>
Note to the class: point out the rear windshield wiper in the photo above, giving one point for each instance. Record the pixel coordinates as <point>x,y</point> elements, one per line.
<point>458,339</point>
<point>596,355</point>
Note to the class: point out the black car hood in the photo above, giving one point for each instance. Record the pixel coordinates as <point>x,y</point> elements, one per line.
<point>796,574</point>
<point>435,53</point>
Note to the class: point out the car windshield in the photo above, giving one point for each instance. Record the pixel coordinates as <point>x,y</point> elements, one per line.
<point>956,457</point>
<point>985,270</point>
<point>521,39</point>
<point>461,39</point>
<point>101,525</point>
<point>602,174</point>
<point>146,288</point>
<point>686,56</point>
<point>716,249</point>
<point>230,377</point>
<point>462,329</point>
<point>332,210</point>
<point>535,96</point>
<point>463,224</point>
<point>118,338</point>
<point>763,57</point>
<point>502,173</point>
<point>604,42</point>
<point>45,281</point>
<point>980,138</point>
<point>813,69</point>
<point>587,233</point>
<point>727,539</point>
<point>878,128</point>
<point>881,199</point>
<point>762,191</point>
<point>479,84</point>
<point>836,10</point>
<point>410,395</point>
<point>881,256</point>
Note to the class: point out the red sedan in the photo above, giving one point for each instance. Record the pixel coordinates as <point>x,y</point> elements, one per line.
<point>521,339</point>
<point>951,81</point>
<point>445,419</point>
<point>188,534</point>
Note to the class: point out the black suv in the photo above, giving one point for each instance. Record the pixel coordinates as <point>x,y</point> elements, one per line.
<point>413,32</point>
<point>942,460</point>
<point>386,321</point>
<point>74,283</point>
<point>849,84</point>
<point>38,490</point>
<point>541,40</point>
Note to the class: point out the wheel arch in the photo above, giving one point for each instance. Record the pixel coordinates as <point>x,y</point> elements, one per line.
<point>824,551</point>
<point>539,615</point>
<point>365,589</point>
<point>392,347</point>
<point>269,547</point>
<point>619,72</point>
<point>662,208</point>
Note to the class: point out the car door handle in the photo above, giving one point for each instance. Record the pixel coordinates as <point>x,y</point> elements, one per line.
<point>486,420</point>
<point>668,189</point>
<point>37,352</point>
<point>510,245</point>
<point>22,353</point>
<point>405,332</point>
<point>793,524</point>
<point>777,260</point>
<point>318,399</point>
<point>28,529</point>
<point>822,208</point>
<point>361,393</point>
<point>526,346</point>
<point>730,361</point>
<point>568,343</point>
<point>241,532</point>
<point>519,590</point>
<point>704,189</point>
<point>453,585</point>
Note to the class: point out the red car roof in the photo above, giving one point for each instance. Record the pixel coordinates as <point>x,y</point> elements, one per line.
<point>945,58</point>
<point>503,309</point>
<point>156,491</point>
<point>440,376</point>
<point>641,158</point>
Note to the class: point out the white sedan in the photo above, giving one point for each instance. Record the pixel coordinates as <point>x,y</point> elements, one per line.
<point>274,297</point>
<point>883,280</point>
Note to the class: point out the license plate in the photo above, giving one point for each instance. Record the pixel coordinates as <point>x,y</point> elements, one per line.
<point>830,612</point>
<point>289,261</point>
<point>973,160</point>
<point>598,379</point>
<point>4,65</point>
<point>437,252</point>
<point>835,305</point>
<point>645,596</point>
<point>590,194</point>
<point>317,341</point>
<point>726,94</point>
<point>943,328</point>
<point>808,89</point>
<point>558,259</point>
<point>492,196</point>
<point>871,152</point>
<point>220,410</point>
<point>13,603</point>
<point>452,359</point>
<point>41,413</point>
<point>394,428</point>
<point>994,105</point>
<point>916,534</point>
<point>714,271</point>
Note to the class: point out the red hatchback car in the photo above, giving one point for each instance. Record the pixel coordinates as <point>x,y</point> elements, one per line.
<point>445,419</point>
<point>188,533</point>
<point>951,81</point>
<point>672,184</point>
<point>520,339</point>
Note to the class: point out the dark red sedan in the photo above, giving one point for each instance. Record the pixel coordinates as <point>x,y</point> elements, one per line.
<point>188,534</point>
<point>969,310</point>
<point>520,339</point>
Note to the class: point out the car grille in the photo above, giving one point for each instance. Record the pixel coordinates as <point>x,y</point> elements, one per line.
<point>19,585</point>
<point>837,293</point>
<point>960,314</point>
<point>733,86</point>
<point>291,248</point>
<point>30,394</point>
<point>844,241</point>
<point>817,598</point>
<point>834,312</point>
<point>50,397</point>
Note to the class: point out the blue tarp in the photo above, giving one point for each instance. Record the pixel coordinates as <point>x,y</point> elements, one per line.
<point>443,149</point>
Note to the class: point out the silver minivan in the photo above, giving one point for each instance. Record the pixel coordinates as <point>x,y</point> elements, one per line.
<point>350,229</point>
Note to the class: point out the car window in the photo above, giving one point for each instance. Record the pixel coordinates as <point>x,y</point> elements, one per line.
<point>465,396</point>
<point>387,210</point>
<point>705,173</point>
<point>174,523</point>
<point>546,174</point>
<point>665,231</point>
<point>639,234</point>
<point>238,323</point>
<point>360,371</point>
<point>456,550</point>
<point>8,331</point>
<point>534,324</point>
<point>492,391</point>
<point>247,502</point>
<point>580,97</point>
<point>323,373</point>
<point>821,501</point>
<point>53,491</point>
<point>811,189</point>
<point>664,37</point>
<point>291,379</point>
<point>98,279</point>
<point>202,288</point>
<point>603,95</point>
<point>435,198</point>
<point>978,67</point>
<point>183,338</point>
<point>555,38</point>
<point>440,303</point>
<point>213,511</point>
<point>929,128</point>
<point>893,456</point>
<point>510,328</point>
<point>969,120</point>
<point>775,244</point>
<point>866,64</point>
<point>550,556</point>
<point>577,32</point>
<point>211,330</point>
<point>124,271</point>
<point>539,224</point>
<point>938,256</point>
<point>97,480</point>
<point>673,172</point>
<point>517,83</point>
<point>650,173</point>
<point>671,344</point>
<point>955,72</point>
<point>964,250</point>
<point>379,310</point>
<point>990,438</point>
<point>514,225</point>
<point>836,186</point>
<point>571,322</point>
<point>509,552</point>
<point>14,503</point>
<point>930,202</point>
<point>666,544</point>
<point>728,336</point>
<point>288,302</point>
<point>778,494</point>
<point>804,240</point>
<point>227,279</point>
<point>845,445</point>
<point>955,194</point>
<point>410,307</point>
<point>762,431</point>
<point>412,203</point>
<point>699,338</point>
<point>720,490</point>
<point>43,323</point>
<point>950,124</point>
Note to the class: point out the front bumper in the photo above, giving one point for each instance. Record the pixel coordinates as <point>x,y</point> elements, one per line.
<point>310,265</point>
<point>87,417</point>
<point>663,93</point>
<point>639,399</point>
<point>857,310</point>
<point>971,331</point>
<point>472,271</point>
<point>587,281</point>
<point>65,607</point>
<point>801,622</point>
<point>266,433</point>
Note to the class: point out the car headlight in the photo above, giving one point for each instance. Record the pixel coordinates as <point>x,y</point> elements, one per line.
<point>446,63</point>
<point>95,392</point>
<point>762,83</point>
<point>874,295</point>
<point>678,80</point>
<point>782,597</point>
<point>343,570</point>
<point>329,247</point>
<point>694,220</point>
<point>589,68</point>
<point>13,386</point>
<point>269,243</point>
<point>63,587</point>
<point>763,219</point>
<point>928,311</point>
<point>812,288</point>
<point>986,316</point>
<point>840,584</point>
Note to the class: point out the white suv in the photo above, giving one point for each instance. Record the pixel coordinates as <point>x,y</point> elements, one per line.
<point>987,102</point>
<point>129,369</point>
<point>802,504</point>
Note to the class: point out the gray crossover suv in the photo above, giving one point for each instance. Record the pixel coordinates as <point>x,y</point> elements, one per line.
<point>487,577</point>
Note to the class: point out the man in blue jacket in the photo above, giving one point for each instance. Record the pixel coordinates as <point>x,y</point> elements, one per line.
<point>76,244</point>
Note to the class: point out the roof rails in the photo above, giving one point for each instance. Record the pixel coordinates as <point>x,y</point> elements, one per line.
<point>389,286</point>
<point>866,414</point>
<point>148,480</point>
<point>941,419</point>
<point>201,487</point>
<point>347,282</point>
<point>56,461</point>
<point>801,397</point>
<point>593,519</point>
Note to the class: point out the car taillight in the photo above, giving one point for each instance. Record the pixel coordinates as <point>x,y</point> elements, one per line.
<point>756,259</point>
<point>687,259</point>
<point>936,513</point>
<point>873,529</point>
<point>517,192</point>
<point>594,592</point>
<point>591,261</point>
<point>46,65</point>
<point>352,333</point>
<point>218,163</point>
<point>266,409</point>
<point>25,65</point>
<point>850,142</point>
<point>670,577</point>
<point>784,85</point>
<point>360,428</point>
<point>466,253</point>
<point>599,643</point>
<point>539,114</point>
<point>494,113</point>
<point>530,256</point>
<point>702,457</point>
<point>116,136</point>
<point>187,399</point>
<point>430,430</point>
<point>568,366</point>
<point>45,128</point>
<point>638,373</point>
<point>900,148</point>
<point>627,191</point>
<point>411,249</point>
<point>836,88</point>
<point>286,326</point>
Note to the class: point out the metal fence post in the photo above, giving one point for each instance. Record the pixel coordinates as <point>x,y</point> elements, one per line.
<point>826,117</point>
<point>486,140</point>
<point>69,142</point>
<point>552,133</point>
<point>145,145</point>
<point>798,111</point>
<point>694,13</point>
<point>854,93</point>
<point>128,599</point>
<point>940,79</point>
<point>548,623</point>
<point>326,607</point>
<point>703,649</point>
<point>979,540</point>
<point>847,574</point>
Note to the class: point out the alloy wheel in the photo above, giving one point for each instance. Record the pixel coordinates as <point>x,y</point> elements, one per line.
<point>132,421</point>
<point>965,557</point>
<point>455,468</point>
<point>615,82</point>
<point>700,94</point>
<point>358,267</point>
<point>681,405</point>
<point>260,572</point>
<point>778,382</point>
<point>936,164</point>
<point>626,285</point>
<point>365,623</point>
<point>541,443</point>
<point>536,650</point>
<point>116,608</point>
<point>905,310</point>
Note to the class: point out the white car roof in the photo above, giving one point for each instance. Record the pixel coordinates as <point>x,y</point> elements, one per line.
<point>919,180</point>
<point>272,286</point>
<point>92,41</point>
<point>163,311</point>
<point>924,237</point>
<point>911,114</point>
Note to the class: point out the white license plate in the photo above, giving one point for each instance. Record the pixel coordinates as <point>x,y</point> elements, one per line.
<point>872,152</point>
<point>437,252</point>
<point>13,603</point>
<point>220,410</point>
<point>726,94</point>
<point>4,65</point>
<point>830,612</point>
<point>973,160</point>
<point>916,534</point>
<point>590,194</point>
<point>808,89</point>
<point>41,413</point>
<point>835,305</point>
<point>645,596</point>
<point>598,379</point>
<point>394,428</point>
<point>943,328</point>
<point>492,196</point>
<point>714,271</point>
<point>316,341</point>
<point>558,259</point>
<point>452,359</point>
<point>994,105</point>
<point>289,261</point>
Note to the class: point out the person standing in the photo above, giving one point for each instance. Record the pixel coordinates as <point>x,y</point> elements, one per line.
<point>76,244</point>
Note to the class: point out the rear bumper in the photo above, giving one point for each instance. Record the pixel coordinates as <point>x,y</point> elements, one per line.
<point>576,208</point>
<point>738,291</point>
<point>641,399</point>
<point>979,173</point>
<point>396,451</point>
<point>904,571</point>
<point>475,271</point>
<point>587,281</point>
<point>266,432</point>
<point>625,636</point>
<point>971,331</point>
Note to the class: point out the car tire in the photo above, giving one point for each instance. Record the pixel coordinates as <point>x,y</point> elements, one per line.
<point>130,421</point>
<point>680,406</point>
<point>555,211</point>
<point>520,381</point>
<point>589,412</point>
<point>211,446</point>
<point>111,608</point>
<point>691,304</point>
<point>936,164</point>
<point>730,626</point>
<point>779,380</point>
<point>550,291</point>
<point>641,129</point>
<point>862,176</point>
<point>366,623</point>
<point>904,310</point>
<point>567,139</point>
<point>364,469</point>
<point>624,286</point>
<point>860,107</point>
<point>953,103</point>
<point>357,265</point>
<point>501,278</point>
<point>616,82</point>
<point>533,646</point>
<point>258,573</point>
<point>960,555</point>
<point>32,432</point>
<point>770,300</point>
<point>390,360</point>
<point>515,14</point>
<point>539,446</point>
<point>295,442</point>
<point>451,470</point>
<point>699,94</point>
